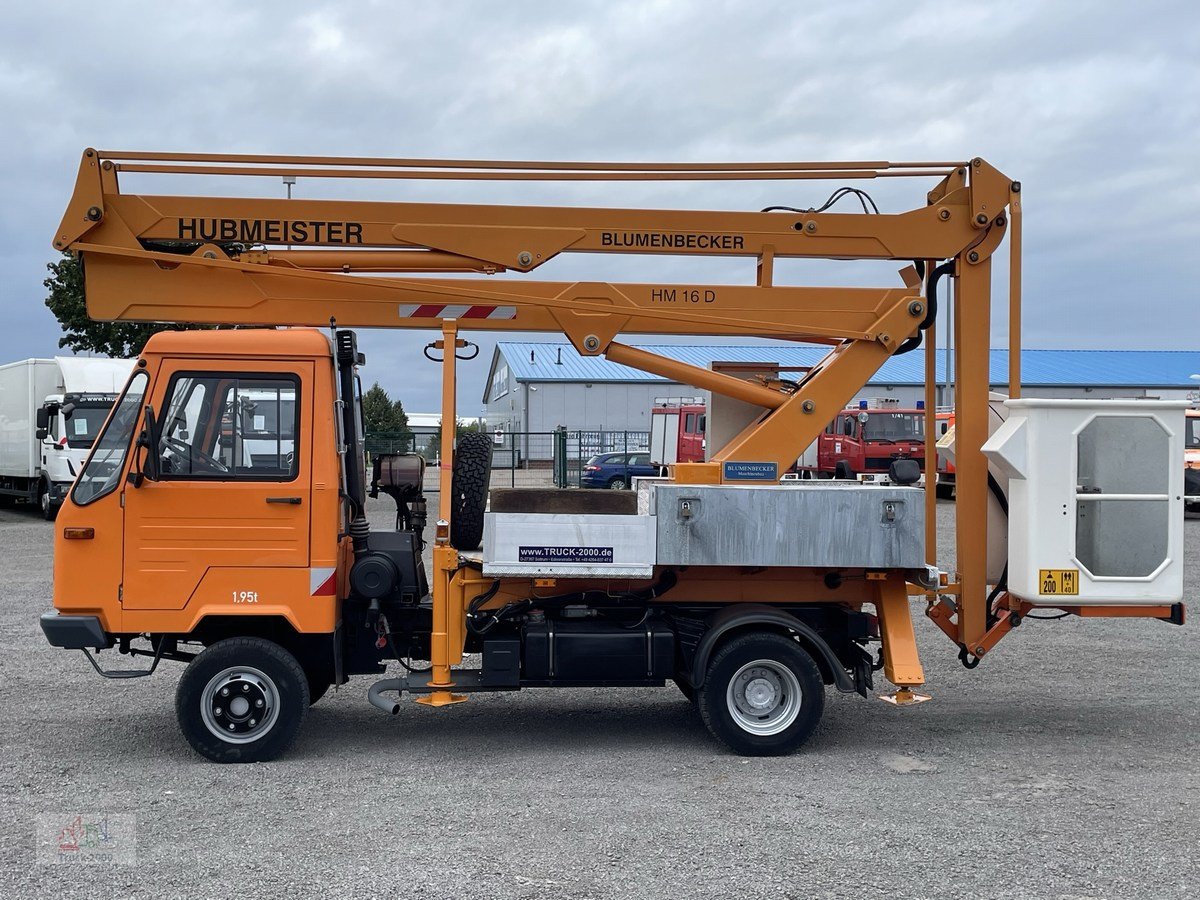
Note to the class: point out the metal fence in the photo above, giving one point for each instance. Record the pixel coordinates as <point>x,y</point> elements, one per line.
<point>524,458</point>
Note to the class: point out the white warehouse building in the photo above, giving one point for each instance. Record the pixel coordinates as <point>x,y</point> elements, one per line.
<point>535,387</point>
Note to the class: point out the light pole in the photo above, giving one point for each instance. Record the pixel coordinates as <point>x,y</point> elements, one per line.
<point>288,181</point>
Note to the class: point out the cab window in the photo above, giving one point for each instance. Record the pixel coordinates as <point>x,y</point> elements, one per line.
<point>102,472</point>
<point>225,427</point>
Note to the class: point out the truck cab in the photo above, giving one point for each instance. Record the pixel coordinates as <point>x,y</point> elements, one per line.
<point>51,411</point>
<point>196,502</point>
<point>866,440</point>
<point>677,432</point>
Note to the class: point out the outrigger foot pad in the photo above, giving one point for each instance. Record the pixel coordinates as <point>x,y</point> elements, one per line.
<point>904,697</point>
<point>442,698</point>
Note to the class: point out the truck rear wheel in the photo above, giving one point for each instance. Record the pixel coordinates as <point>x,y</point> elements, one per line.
<point>469,489</point>
<point>762,695</point>
<point>242,700</point>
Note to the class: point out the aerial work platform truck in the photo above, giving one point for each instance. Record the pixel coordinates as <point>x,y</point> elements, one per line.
<point>220,520</point>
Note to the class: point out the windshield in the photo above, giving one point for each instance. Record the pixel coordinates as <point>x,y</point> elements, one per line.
<point>102,471</point>
<point>894,427</point>
<point>83,424</point>
<point>1192,441</point>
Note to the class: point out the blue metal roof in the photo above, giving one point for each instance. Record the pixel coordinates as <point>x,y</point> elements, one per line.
<point>535,361</point>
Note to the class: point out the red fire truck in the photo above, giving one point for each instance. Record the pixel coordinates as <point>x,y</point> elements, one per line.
<point>677,430</point>
<point>864,440</point>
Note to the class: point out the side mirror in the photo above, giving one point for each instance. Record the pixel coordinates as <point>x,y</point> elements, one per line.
<point>147,439</point>
<point>68,408</point>
<point>43,420</point>
<point>848,427</point>
<point>41,434</point>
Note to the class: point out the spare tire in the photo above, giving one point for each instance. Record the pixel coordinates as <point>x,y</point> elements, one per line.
<point>469,489</point>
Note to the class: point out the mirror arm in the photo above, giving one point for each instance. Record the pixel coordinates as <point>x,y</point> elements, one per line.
<point>148,439</point>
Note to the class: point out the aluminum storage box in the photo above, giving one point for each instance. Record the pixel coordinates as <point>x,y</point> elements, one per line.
<point>566,545</point>
<point>819,524</point>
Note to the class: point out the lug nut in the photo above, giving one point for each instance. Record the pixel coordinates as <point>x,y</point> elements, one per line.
<point>224,692</point>
<point>216,710</point>
<point>253,722</point>
<point>232,726</point>
<point>245,687</point>
<point>258,702</point>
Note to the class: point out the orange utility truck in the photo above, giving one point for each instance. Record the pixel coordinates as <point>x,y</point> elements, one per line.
<point>220,519</point>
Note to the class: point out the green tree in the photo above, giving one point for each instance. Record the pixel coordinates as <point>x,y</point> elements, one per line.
<point>383,416</point>
<point>433,445</point>
<point>82,334</point>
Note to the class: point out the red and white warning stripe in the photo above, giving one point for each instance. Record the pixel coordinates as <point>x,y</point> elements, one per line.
<point>437,311</point>
<point>322,581</point>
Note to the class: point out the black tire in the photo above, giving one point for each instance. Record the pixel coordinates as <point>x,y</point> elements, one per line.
<point>781,671</point>
<point>265,672</point>
<point>47,507</point>
<point>945,491</point>
<point>469,489</point>
<point>618,484</point>
<point>842,470</point>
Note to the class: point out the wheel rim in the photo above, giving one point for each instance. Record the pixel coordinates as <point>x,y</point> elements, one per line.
<point>764,697</point>
<point>239,704</point>
<point>617,484</point>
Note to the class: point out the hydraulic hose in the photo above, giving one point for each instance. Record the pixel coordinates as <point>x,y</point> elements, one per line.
<point>931,311</point>
<point>360,532</point>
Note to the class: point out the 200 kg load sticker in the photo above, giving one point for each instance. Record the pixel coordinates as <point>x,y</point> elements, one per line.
<point>565,554</point>
<point>1058,582</point>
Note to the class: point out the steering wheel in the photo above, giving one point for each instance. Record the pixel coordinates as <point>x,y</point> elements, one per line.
<point>196,458</point>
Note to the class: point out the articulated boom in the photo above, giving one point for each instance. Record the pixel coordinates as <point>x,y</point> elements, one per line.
<point>304,262</point>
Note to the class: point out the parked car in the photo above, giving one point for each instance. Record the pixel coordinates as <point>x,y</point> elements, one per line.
<point>616,471</point>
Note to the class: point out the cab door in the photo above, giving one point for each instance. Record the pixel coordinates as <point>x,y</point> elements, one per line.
<point>234,490</point>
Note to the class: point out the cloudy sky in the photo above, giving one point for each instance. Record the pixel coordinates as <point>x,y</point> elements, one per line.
<point>1094,107</point>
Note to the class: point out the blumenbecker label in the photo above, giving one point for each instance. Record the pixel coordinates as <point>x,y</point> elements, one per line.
<point>750,471</point>
<point>565,554</point>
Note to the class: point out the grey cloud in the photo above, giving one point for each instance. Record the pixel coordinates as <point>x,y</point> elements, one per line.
<point>1094,107</point>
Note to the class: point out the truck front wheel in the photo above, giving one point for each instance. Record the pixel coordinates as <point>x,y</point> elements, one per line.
<point>242,700</point>
<point>46,503</point>
<point>762,695</point>
<point>843,471</point>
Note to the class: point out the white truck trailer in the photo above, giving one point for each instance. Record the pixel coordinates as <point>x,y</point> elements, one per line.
<point>50,413</point>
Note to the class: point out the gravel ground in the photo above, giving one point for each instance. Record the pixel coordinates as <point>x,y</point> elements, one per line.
<point>1065,766</point>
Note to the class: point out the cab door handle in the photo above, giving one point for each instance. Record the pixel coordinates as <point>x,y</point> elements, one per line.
<point>294,501</point>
